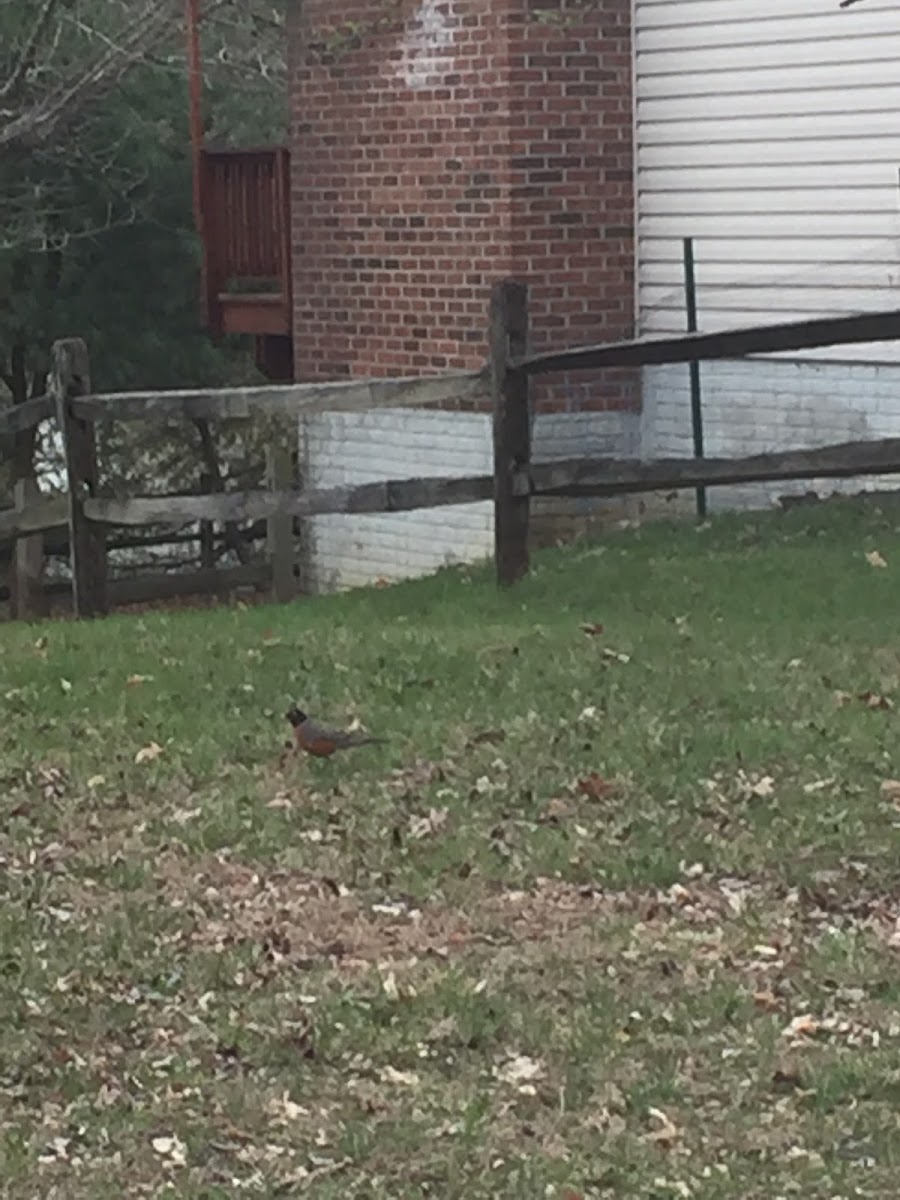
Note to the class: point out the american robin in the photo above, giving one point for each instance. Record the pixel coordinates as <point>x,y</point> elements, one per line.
<point>322,741</point>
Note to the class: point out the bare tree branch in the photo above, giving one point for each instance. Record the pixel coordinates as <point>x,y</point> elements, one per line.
<point>60,59</point>
<point>142,32</point>
<point>41,120</point>
<point>27,54</point>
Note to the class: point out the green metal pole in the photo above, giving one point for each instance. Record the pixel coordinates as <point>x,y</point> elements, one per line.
<point>690,296</point>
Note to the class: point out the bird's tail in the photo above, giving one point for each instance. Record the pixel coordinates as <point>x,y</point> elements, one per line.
<point>359,739</point>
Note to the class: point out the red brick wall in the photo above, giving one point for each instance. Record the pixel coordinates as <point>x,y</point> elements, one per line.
<point>573,186</point>
<point>421,175</point>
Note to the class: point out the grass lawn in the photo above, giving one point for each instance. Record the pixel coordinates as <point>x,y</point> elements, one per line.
<point>614,913</point>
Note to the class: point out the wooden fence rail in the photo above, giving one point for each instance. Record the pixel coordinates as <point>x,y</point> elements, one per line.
<point>26,416</point>
<point>386,496</point>
<point>565,477</point>
<point>615,477</point>
<point>41,514</point>
<point>294,400</point>
<point>726,343</point>
<point>91,516</point>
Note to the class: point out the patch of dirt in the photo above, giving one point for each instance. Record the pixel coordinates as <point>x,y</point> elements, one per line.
<point>305,920</point>
<point>308,918</point>
<point>301,917</point>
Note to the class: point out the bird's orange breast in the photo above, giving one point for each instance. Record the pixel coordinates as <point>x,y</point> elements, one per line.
<point>319,747</point>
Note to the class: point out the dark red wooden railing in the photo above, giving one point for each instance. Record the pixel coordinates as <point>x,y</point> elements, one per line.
<point>246,229</point>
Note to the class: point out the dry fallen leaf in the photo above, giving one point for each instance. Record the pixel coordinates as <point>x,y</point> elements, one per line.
<point>595,787</point>
<point>399,1078</point>
<point>172,1148</point>
<point>763,950</point>
<point>183,816</point>
<point>874,559</point>
<point>592,629</point>
<point>520,1072</point>
<point>137,680</point>
<point>389,983</point>
<point>148,753</point>
<point>766,1000</point>
<point>874,700</point>
<point>803,1026</point>
<point>284,1109</point>
<point>434,822</point>
<point>818,785</point>
<point>667,1132</point>
<point>555,811</point>
<point>751,787</point>
<point>890,790</point>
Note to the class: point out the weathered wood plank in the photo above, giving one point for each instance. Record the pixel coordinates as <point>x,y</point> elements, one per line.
<point>599,476</point>
<point>146,588</point>
<point>610,476</point>
<point>207,529</point>
<point>56,537</point>
<point>28,599</point>
<point>394,495</point>
<point>512,429</point>
<point>70,379</point>
<point>48,512</point>
<point>728,343</point>
<point>280,532</point>
<point>24,416</point>
<point>351,395</point>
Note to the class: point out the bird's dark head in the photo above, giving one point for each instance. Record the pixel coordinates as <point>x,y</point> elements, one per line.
<point>295,715</point>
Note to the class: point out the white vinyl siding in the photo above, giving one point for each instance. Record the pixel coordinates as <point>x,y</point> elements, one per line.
<point>769,131</point>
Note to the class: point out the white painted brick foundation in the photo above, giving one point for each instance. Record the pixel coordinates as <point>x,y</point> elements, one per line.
<point>347,448</point>
<point>751,406</point>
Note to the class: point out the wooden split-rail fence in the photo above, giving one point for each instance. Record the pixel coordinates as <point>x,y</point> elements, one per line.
<point>90,516</point>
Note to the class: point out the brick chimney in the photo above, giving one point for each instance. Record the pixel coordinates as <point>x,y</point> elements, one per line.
<point>453,143</point>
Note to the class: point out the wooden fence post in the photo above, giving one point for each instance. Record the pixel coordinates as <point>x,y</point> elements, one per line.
<point>512,428</point>
<point>280,527</point>
<point>207,528</point>
<point>27,575</point>
<point>87,541</point>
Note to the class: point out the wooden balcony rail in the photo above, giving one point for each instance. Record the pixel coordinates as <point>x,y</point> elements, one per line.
<point>245,205</point>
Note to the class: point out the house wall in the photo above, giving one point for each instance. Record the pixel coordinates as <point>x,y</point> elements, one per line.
<point>572,198</point>
<point>352,448</point>
<point>464,143</point>
<point>751,406</point>
<point>400,187</point>
<point>770,133</point>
